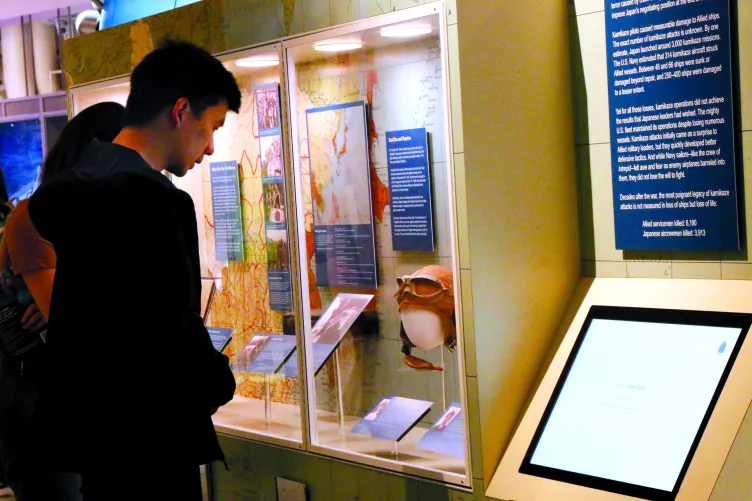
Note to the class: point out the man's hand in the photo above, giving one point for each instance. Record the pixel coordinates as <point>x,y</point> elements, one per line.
<point>33,320</point>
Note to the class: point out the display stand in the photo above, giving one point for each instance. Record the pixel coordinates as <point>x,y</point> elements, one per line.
<point>443,381</point>
<point>396,449</point>
<point>210,299</point>
<point>267,401</point>
<point>340,405</point>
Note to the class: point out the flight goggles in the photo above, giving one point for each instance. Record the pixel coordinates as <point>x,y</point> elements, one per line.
<point>423,289</point>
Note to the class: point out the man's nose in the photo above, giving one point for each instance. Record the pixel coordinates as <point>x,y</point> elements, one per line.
<point>210,147</point>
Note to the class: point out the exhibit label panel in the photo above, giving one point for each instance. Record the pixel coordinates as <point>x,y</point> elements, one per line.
<point>219,337</point>
<point>447,435</point>
<point>344,242</point>
<point>392,418</point>
<point>265,353</point>
<point>410,190</point>
<point>330,328</point>
<point>275,214</point>
<point>228,220</point>
<point>671,122</point>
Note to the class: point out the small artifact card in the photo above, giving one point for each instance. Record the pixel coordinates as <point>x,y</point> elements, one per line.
<point>392,418</point>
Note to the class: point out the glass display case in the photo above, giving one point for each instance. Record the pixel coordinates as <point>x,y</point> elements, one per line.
<point>372,172</point>
<point>328,248</point>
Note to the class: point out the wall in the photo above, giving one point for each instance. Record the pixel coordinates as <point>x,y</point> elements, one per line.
<point>253,468</point>
<point>520,250</point>
<point>217,25</point>
<point>599,255</point>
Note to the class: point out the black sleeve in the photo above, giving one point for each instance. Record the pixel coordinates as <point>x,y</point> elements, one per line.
<point>217,385</point>
<point>155,247</point>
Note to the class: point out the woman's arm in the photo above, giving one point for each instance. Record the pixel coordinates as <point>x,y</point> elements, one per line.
<point>40,283</point>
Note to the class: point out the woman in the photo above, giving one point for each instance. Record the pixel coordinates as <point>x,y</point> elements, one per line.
<point>31,257</point>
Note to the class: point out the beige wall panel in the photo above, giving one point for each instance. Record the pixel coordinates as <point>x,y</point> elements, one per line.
<point>521,202</point>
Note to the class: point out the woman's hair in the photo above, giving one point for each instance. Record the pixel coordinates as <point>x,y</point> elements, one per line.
<point>100,122</point>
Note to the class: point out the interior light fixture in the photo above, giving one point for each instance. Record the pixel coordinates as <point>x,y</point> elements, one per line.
<point>258,61</point>
<point>405,30</point>
<point>337,46</point>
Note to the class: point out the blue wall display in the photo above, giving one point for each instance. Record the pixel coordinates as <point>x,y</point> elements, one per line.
<point>447,435</point>
<point>21,157</point>
<point>392,418</point>
<point>228,217</point>
<point>672,130</point>
<point>345,249</point>
<point>410,190</point>
<point>117,12</point>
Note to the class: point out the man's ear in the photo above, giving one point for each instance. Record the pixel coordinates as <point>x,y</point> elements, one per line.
<point>180,111</point>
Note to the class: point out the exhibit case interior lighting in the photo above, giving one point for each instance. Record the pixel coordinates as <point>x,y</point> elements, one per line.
<point>328,251</point>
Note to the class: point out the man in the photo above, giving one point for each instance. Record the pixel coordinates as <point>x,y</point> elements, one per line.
<point>131,377</point>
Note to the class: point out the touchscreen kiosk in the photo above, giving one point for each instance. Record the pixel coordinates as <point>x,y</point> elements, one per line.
<point>633,399</point>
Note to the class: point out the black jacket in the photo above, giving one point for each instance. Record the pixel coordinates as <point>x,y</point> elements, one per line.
<point>129,370</point>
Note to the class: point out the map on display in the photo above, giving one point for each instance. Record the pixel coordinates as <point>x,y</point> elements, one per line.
<point>338,149</point>
<point>343,226</point>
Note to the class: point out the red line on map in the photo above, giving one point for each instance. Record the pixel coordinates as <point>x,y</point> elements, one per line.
<point>379,192</point>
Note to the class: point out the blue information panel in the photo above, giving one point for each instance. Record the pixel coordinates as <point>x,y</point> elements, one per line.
<point>345,255</point>
<point>219,337</point>
<point>340,168</point>
<point>228,220</point>
<point>410,190</point>
<point>265,353</point>
<point>392,418</point>
<point>672,132</point>
<point>447,435</point>
<point>275,208</point>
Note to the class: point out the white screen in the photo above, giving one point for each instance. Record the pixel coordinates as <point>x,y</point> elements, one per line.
<point>634,400</point>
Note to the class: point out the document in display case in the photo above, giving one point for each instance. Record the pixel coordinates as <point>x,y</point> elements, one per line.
<point>265,354</point>
<point>447,435</point>
<point>330,328</point>
<point>392,418</point>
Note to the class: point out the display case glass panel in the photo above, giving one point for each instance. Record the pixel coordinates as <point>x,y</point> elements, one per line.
<point>239,196</point>
<point>240,200</point>
<point>372,169</point>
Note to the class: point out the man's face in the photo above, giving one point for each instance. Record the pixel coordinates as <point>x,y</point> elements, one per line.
<point>195,137</point>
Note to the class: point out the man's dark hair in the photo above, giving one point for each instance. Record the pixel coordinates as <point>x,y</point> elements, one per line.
<point>174,70</point>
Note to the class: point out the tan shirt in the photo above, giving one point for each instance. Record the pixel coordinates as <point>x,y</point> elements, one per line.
<point>22,247</point>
